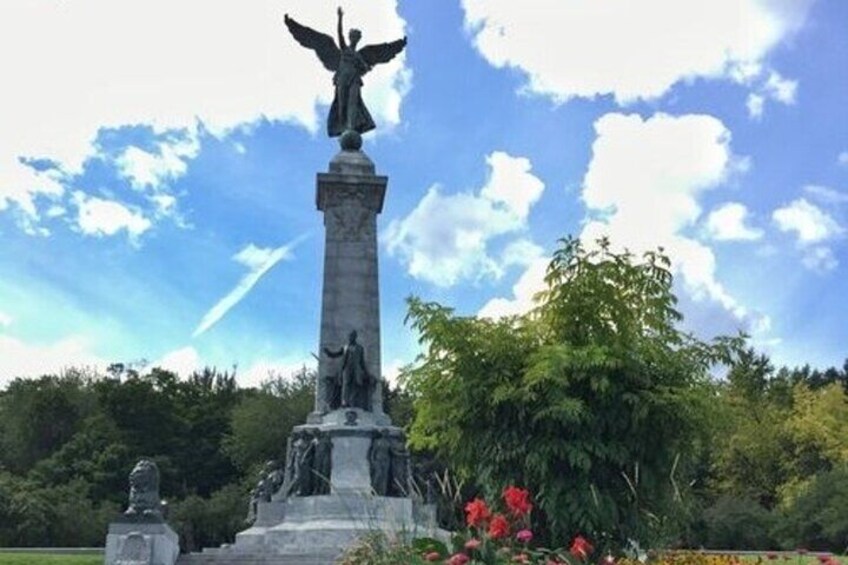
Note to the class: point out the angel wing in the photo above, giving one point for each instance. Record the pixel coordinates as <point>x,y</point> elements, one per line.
<point>323,45</point>
<point>382,52</point>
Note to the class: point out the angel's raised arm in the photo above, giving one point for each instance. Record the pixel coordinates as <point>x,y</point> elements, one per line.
<point>340,29</point>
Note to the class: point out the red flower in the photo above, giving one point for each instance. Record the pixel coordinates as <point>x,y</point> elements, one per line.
<point>524,536</point>
<point>517,500</point>
<point>432,556</point>
<point>472,544</point>
<point>581,548</point>
<point>499,527</point>
<point>824,558</point>
<point>458,559</point>
<point>477,513</point>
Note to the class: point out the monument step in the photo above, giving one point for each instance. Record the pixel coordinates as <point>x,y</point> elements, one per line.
<point>258,558</point>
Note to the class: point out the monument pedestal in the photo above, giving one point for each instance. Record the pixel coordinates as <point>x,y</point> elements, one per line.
<point>139,543</point>
<point>318,528</point>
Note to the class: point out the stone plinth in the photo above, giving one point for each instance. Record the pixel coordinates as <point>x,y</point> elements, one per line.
<point>140,543</point>
<point>350,195</point>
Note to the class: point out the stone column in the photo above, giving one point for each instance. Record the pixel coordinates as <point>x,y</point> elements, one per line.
<point>350,195</point>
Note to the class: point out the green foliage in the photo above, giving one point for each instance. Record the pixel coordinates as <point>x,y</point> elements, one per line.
<point>209,522</point>
<point>376,549</point>
<point>69,442</point>
<point>594,399</point>
<point>263,419</point>
<point>817,517</point>
<point>735,522</point>
<point>37,416</point>
<point>63,515</point>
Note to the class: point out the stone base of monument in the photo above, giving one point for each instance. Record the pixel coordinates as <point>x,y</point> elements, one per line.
<point>317,529</point>
<point>139,543</point>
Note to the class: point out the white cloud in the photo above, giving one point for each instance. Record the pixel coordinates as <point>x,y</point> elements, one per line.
<point>262,369</point>
<point>842,158</point>
<point>529,283</point>
<point>820,259</point>
<point>522,252</point>
<point>812,227</point>
<point>392,370</point>
<point>755,104</point>
<point>5,319</point>
<point>187,360</point>
<point>810,223</point>
<point>146,170</point>
<point>633,50</point>
<point>21,359</point>
<point>72,68</point>
<point>643,185</point>
<point>56,211</point>
<point>771,86</point>
<point>781,89</point>
<point>728,223</point>
<point>447,238</point>
<point>825,194</point>
<point>99,217</point>
<point>259,261</point>
<point>183,361</point>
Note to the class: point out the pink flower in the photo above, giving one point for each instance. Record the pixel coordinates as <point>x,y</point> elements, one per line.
<point>458,559</point>
<point>524,536</point>
<point>432,556</point>
<point>521,558</point>
<point>472,544</point>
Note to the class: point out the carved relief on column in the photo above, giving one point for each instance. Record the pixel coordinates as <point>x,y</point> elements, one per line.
<point>350,222</point>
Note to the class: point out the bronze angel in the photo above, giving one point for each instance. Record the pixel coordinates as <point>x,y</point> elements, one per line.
<point>348,112</point>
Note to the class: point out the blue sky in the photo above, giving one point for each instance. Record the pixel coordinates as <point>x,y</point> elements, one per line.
<point>158,161</point>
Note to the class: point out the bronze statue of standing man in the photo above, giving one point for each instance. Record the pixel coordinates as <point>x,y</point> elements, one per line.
<point>354,377</point>
<point>348,115</point>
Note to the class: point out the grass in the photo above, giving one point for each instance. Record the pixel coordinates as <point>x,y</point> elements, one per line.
<point>48,559</point>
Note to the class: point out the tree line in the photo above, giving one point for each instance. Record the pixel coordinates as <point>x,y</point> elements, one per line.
<point>595,400</point>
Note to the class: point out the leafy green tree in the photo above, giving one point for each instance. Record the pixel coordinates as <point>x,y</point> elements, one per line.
<point>37,416</point>
<point>593,400</point>
<point>263,419</point>
<point>817,517</point>
<point>204,403</point>
<point>209,522</point>
<point>739,523</point>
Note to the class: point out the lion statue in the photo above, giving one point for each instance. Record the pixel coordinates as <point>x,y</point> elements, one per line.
<point>144,500</point>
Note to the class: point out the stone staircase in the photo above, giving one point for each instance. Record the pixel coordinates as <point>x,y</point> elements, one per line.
<point>231,556</point>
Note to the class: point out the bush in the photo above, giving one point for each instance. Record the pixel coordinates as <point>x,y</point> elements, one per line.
<point>209,522</point>
<point>738,522</point>
<point>817,518</point>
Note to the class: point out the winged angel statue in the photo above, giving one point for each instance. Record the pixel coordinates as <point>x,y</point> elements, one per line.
<point>348,112</point>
